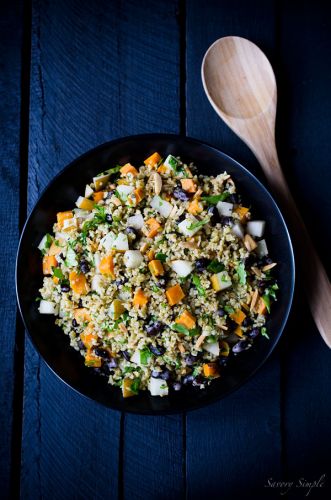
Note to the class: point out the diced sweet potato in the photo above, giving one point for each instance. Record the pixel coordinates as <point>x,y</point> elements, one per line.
<point>242,212</point>
<point>150,254</point>
<point>139,195</point>
<point>98,196</point>
<point>78,283</point>
<point>153,160</point>
<point>238,316</point>
<point>189,185</point>
<point>61,216</point>
<point>156,267</point>
<point>153,227</point>
<point>88,337</point>
<point>260,307</point>
<point>175,294</point>
<point>140,299</point>
<point>186,319</point>
<point>238,331</point>
<point>224,348</point>
<point>126,388</point>
<point>107,266</point>
<point>129,169</point>
<point>210,370</point>
<point>194,207</point>
<point>92,360</point>
<point>49,261</point>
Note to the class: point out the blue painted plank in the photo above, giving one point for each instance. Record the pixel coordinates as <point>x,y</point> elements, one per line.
<point>88,85</point>
<point>234,445</point>
<point>306,148</point>
<point>10,104</point>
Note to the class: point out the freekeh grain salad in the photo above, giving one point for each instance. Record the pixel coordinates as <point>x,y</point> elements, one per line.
<point>158,275</point>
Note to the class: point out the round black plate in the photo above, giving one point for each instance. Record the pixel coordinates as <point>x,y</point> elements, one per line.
<point>62,193</point>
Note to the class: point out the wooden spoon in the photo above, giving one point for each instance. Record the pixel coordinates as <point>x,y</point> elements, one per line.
<point>240,85</point>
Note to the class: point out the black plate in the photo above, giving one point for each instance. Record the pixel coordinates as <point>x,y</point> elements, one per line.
<point>62,193</point>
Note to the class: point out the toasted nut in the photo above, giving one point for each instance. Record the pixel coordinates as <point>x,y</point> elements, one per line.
<point>254,299</point>
<point>249,243</point>
<point>256,271</point>
<point>181,348</point>
<point>157,183</point>
<point>200,341</point>
<point>269,266</point>
<point>144,247</point>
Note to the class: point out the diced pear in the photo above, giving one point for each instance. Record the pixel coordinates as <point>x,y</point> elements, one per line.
<point>163,207</point>
<point>220,281</point>
<point>224,208</point>
<point>47,307</point>
<point>238,230</point>
<point>124,191</point>
<point>100,181</point>
<point>88,191</point>
<point>261,248</point>
<point>121,242</point>
<point>185,225</point>
<point>85,203</point>
<point>158,387</point>
<point>182,267</point>
<point>255,228</point>
<point>136,221</point>
<point>116,309</point>
<point>212,347</point>
<point>133,259</point>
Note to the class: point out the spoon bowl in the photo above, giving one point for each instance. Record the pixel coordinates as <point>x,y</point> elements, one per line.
<point>228,60</point>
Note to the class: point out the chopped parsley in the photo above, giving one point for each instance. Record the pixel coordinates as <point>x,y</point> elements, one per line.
<point>135,386</point>
<point>58,273</point>
<point>215,266</point>
<point>266,300</point>
<point>145,355</point>
<point>228,309</point>
<point>213,200</point>
<point>264,333</point>
<point>197,283</point>
<point>177,327</point>
<point>110,171</point>
<point>161,256</point>
<point>197,225</point>
<point>242,275</point>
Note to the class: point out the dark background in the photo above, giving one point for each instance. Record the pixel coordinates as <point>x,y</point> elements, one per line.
<point>74,74</point>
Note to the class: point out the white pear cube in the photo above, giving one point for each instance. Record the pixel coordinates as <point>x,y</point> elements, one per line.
<point>255,228</point>
<point>224,208</point>
<point>163,207</point>
<point>182,267</point>
<point>262,249</point>
<point>158,387</point>
<point>185,227</point>
<point>212,348</point>
<point>136,221</point>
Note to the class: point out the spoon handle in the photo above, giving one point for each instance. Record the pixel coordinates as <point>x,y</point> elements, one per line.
<point>315,279</point>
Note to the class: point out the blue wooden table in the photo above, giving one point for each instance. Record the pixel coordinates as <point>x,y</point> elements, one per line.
<point>75,74</point>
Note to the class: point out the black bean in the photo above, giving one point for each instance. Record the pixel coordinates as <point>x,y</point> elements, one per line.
<point>112,363</point>
<point>84,266</point>
<point>197,381</point>
<point>188,379</point>
<point>267,260</point>
<point>226,221</point>
<point>121,281</point>
<point>220,312</point>
<point>131,230</point>
<point>241,346</point>
<point>80,303</point>
<point>181,218</point>
<point>176,386</point>
<point>253,333</point>
<point>201,264</point>
<point>214,215</point>
<point>191,359</point>
<point>154,328</point>
<point>65,288</point>
<point>161,283</point>
<point>74,323</point>
<point>180,194</point>
<point>110,193</point>
<point>126,355</point>
<point>156,374</point>
<point>157,351</point>
<point>102,353</point>
<point>246,322</point>
<point>164,374</point>
<point>61,256</point>
<point>109,218</point>
<point>81,346</point>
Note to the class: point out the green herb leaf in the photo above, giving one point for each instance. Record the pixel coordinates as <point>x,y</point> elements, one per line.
<point>161,256</point>
<point>110,171</point>
<point>135,386</point>
<point>228,309</point>
<point>180,328</point>
<point>197,283</point>
<point>49,240</point>
<point>241,273</point>
<point>58,273</point>
<point>264,333</point>
<point>211,339</point>
<point>215,266</point>
<point>213,200</point>
<point>145,355</point>
<point>196,225</point>
<point>38,299</point>
<point>266,300</point>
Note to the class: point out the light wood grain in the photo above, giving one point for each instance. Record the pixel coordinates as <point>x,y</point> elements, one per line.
<point>240,85</point>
